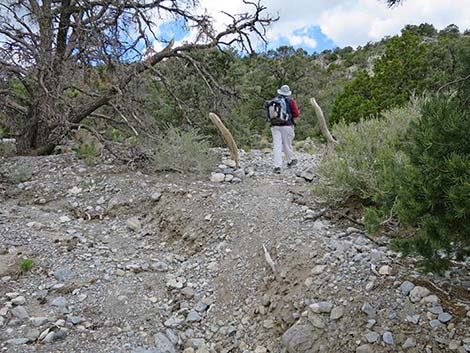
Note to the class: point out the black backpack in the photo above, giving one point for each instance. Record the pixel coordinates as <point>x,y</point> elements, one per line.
<point>276,111</point>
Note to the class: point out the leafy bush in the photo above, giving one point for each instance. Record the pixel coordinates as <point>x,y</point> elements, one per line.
<point>367,162</point>
<point>435,194</point>
<point>182,151</point>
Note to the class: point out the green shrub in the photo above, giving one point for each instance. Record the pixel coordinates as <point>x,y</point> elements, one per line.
<point>367,162</point>
<point>20,175</point>
<point>435,194</point>
<point>26,265</point>
<point>114,134</point>
<point>86,151</point>
<point>182,151</point>
<point>7,147</point>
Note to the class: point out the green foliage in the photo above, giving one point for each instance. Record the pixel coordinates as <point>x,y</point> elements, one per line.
<point>26,265</point>
<point>20,175</point>
<point>7,148</point>
<point>114,134</point>
<point>435,197</point>
<point>397,74</point>
<point>86,151</point>
<point>372,218</point>
<point>367,162</point>
<point>182,151</point>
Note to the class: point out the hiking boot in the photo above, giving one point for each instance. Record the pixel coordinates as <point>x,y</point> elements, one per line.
<point>292,163</point>
<point>277,170</point>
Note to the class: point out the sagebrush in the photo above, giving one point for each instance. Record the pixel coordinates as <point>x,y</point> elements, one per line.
<point>182,151</point>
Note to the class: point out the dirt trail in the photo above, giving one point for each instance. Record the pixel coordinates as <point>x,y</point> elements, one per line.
<point>128,262</point>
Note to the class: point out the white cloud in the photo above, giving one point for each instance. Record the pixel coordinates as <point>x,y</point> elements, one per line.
<point>302,40</point>
<point>346,22</point>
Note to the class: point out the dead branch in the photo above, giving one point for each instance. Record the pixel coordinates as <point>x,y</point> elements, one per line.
<point>269,259</point>
<point>330,141</point>
<point>229,140</point>
<point>125,119</point>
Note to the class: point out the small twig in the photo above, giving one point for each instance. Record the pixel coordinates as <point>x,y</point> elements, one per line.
<point>269,259</point>
<point>349,218</point>
<point>125,119</point>
<point>453,82</point>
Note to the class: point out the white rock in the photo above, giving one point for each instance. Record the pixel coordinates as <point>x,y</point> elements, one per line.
<point>18,300</point>
<point>417,293</point>
<point>217,177</point>
<point>75,190</point>
<point>229,163</point>
<point>318,269</point>
<point>228,177</point>
<point>134,224</point>
<point>64,219</point>
<point>385,270</point>
<point>432,299</point>
<point>321,307</point>
<point>409,343</point>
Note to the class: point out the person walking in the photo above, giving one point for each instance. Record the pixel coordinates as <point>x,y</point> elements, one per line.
<point>283,132</point>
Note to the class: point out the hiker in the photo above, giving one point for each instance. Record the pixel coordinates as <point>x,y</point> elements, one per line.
<point>282,110</point>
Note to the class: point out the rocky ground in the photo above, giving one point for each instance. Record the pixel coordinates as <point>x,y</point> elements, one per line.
<point>129,262</point>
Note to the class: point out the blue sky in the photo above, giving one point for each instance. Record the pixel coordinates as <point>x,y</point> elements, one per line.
<point>315,25</point>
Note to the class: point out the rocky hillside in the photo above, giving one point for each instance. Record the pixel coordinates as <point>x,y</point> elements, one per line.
<point>128,262</point>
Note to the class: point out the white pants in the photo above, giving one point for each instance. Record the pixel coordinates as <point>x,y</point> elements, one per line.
<point>282,140</point>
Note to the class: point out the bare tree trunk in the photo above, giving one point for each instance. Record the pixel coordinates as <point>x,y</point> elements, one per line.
<point>227,137</point>
<point>330,141</point>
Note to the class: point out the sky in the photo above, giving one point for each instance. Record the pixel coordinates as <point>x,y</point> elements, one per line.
<point>315,25</point>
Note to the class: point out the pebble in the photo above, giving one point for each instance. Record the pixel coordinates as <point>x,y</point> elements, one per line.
<point>217,177</point>
<point>321,307</point>
<point>369,310</point>
<point>19,312</point>
<point>20,300</point>
<point>268,324</point>
<point>12,295</point>
<point>409,343</point>
<point>337,312</point>
<point>372,337</point>
<point>385,270</point>
<point>17,341</point>
<point>134,224</point>
<point>444,317</point>
<point>159,266</point>
<point>417,293</point>
<point>174,321</point>
<point>155,196</point>
<point>406,287</point>
<point>58,301</point>
<point>387,337</point>
<point>39,321</point>
<point>413,318</point>
<point>365,348</point>
<point>64,274</point>
<point>435,323</point>
<point>437,309</point>
<point>430,299</point>
<point>193,316</point>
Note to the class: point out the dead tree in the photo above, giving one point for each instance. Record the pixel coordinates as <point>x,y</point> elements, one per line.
<point>62,61</point>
